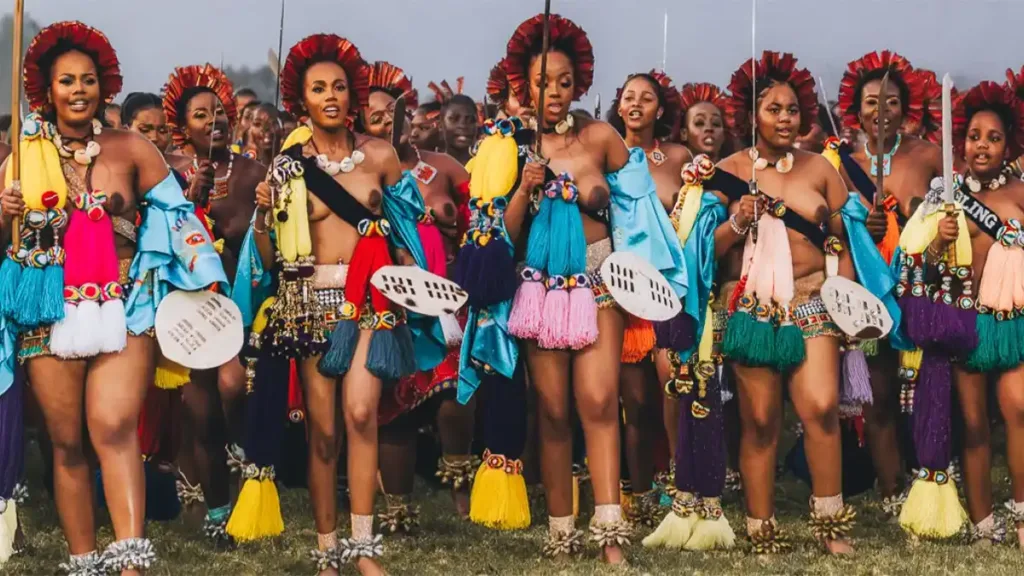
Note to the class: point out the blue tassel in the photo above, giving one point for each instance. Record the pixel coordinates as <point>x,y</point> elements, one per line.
<point>407,348</point>
<point>28,306</point>
<point>465,272</point>
<point>10,278</point>
<point>162,503</point>
<point>338,358</point>
<point>494,277</point>
<point>51,304</point>
<point>385,357</point>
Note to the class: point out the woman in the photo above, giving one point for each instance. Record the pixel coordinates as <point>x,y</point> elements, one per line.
<point>200,112</point>
<point>988,132</point>
<point>264,134</point>
<point>330,187</point>
<point>425,127</point>
<point>793,335</point>
<point>644,112</point>
<point>82,358</point>
<point>442,183</point>
<point>143,113</point>
<point>499,95</point>
<point>459,121</point>
<point>570,235</point>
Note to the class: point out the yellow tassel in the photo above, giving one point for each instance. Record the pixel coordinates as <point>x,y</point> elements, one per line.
<point>673,532</point>
<point>170,375</point>
<point>637,340</point>
<point>575,497</point>
<point>8,528</point>
<point>710,534</point>
<point>932,510</point>
<point>494,169</point>
<point>270,521</point>
<point>499,499</point>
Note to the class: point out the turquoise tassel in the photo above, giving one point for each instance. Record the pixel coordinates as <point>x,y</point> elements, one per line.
<point>789,347</point>
<point>1006,344</point>
<point>984,358</point>
<point>386,358</point>
<point>51,304</point>
<point>27,304</point>
<point>737,334</point>
<point>760,347</point>
<point>338,358</point>
<point>10,278</point>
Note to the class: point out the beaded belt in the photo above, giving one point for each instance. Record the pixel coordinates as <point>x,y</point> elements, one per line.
<point>329,276</point>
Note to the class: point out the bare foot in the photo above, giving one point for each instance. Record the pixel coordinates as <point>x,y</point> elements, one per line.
<point>613,555</point>
<point>461,500</point>
<point>1020,536</point>
<point>840,547</point>
<point>369,567</point>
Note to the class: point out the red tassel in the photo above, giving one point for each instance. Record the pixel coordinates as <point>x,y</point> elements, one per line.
<point>736,293</point>
<point>153,420</point>
<point>296,403</point>
<point>201,214</point>
<point>371,254</point>
<point>462,206</point>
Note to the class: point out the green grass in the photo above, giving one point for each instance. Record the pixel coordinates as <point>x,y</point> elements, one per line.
<point>445,545</point>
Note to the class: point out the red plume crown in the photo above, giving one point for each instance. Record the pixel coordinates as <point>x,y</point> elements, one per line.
<point>186,78</point>
<point>70,34</point>
<point>695,93</point>
<point>772,68</point>
<point>527,42</point>
<point>900,70</point>
<point>324,48</point>
<point>1016,81</point>
<point>392,79</point>
<point>999,98</point>
<point>497,85</point>
<point>443,93</point>
<point>930,127</point>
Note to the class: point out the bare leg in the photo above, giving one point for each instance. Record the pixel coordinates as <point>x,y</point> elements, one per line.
<point>115,390</point>
<point>880,422</point>
<point>1011,403</point>
<point>977,453</point>
<point>760,401</point>
<point>360,393</point>
<point>638,397</point>
<point>595,378</point>
<point>397,463</point>
<point>549,373</point>
<point>59,387</point>
<point>231,386</point>
<point>205,423</point>
<point>455,426</point>
<point>814,388</point>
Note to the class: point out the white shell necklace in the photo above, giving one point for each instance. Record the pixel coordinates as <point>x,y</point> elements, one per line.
<point>345,165</point>
<point>83,156</point>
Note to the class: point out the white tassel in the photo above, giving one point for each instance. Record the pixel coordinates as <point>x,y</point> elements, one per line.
<point>84,334</point>
<point>452,330</point>
<point>62,339</point>
<point>8,528</point>
<point>113,327</point>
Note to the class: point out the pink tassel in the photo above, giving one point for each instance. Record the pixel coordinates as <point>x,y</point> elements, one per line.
<point>555,330</point>
<point>783,285</point>
<point>433,246</point>
<point>91,270</point>
<point>1016,263</point>
<point>582,318</point>
<point>996,290</point>
<point>527,310</point>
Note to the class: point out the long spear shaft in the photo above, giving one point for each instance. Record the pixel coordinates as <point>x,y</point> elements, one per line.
<point>15,163</point>
<point>280,47</point>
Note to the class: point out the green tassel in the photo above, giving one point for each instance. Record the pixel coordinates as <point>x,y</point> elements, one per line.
<point>760,347</point>
<point>1008,350</point>
<point>737,335</point>
<point>1018,325</point>
<point>789,347</point>
<point>984,358</point>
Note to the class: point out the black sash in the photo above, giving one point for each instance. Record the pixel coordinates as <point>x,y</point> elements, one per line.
<point>734,188</point>
<point>329,191</point>
<point>862,182</point>
<point>983,216</point>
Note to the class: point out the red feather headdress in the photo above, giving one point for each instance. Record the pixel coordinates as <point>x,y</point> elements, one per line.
<point>443,93</point>
<point>186,78</point>
<point>527,42</point>
<point>669,95</point>
<point>64,35</point>
<point>695,93</point>
<point>772,68</point>
<point>324,48</point>
<point>930,127</point>
<point>1016,81</point>
<point>392,79</point>
<point>497,85</point>
<point>901,72</point>
<point>999,98</point>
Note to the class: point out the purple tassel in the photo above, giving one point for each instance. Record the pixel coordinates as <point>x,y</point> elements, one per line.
<point>12,445</point>
<point>932,400</point>
<point>685,464</point>
<point>954,329</point>
<point>918,315</point>
<point>708,444</point>
<point>856,379</point>
<point>487,273</point>
<point>679,333</point>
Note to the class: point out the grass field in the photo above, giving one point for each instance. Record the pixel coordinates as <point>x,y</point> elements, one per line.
<point>445,545</point>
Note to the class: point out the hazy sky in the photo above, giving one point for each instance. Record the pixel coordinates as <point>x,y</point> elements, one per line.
<point>443,39</point>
